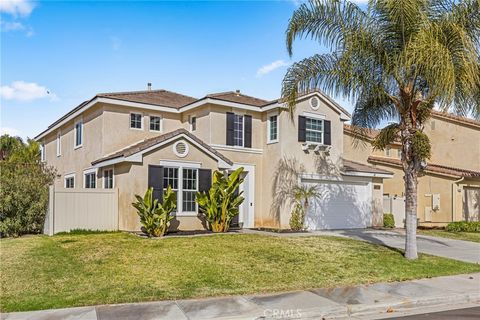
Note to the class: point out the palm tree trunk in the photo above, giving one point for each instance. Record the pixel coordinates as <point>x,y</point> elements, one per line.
<point>411,213</point>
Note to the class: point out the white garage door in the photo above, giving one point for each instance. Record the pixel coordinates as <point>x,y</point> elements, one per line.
<point>341,205</point>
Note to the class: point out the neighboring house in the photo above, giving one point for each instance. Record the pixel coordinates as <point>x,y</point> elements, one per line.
<point>449,188</point>
<point>133,140</point>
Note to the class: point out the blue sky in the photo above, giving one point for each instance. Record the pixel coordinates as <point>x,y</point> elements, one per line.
<point>56,54</point>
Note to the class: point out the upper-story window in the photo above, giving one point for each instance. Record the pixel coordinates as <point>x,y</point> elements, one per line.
<point>78,134</point>
<point>70,181</point>
<point>59,144</point>
<point>314,130</point>
<point>272,130</point>
<point>136,121</point>
<point>238,130</point>
<point>155,123</point>
<point>42,152</point>
<point>193,123</point>
<point>387,151</point>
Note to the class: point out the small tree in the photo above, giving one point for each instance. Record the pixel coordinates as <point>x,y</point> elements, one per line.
<point>155,217</point>
<point>221,204</point>
<point>301,196</point>
<point>24,182</point>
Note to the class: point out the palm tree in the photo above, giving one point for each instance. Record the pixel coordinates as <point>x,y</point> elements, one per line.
<point>301,195</point>
<point>396,60</point>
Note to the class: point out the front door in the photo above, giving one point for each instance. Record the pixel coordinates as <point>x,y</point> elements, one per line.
<point>245,217</point>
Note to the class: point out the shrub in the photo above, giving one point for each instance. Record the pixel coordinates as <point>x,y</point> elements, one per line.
<point>388,220</point>
<point>155,217</point>
<point>221,204</point>
<point>463,226</point>
<point>297,218</point>
<point>24,182</point>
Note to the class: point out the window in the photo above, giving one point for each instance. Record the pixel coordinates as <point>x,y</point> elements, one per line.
<point>186,190</point>
<point>108,179</point>
<point>42,152</point>
<point>193,123</point>
<point>189,186</point>
<point>387,151</point>
<point>90,180</point>
<point>273,129</point>
<point>399,153</point>
<point>59,144</point>
<point>135,120</point>
<point>78,134</point>
<point>238,130</point>
<point>314,130</point>
<point>155,123</point>
<point>70,181</point>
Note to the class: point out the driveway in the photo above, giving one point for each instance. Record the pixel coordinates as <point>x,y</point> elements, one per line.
<point>454,249</point>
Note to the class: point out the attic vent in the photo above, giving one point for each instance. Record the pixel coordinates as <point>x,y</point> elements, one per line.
<point>314,103</point>
<point>180,148</point>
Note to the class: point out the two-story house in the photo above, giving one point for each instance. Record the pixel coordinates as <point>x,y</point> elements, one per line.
<point>449,187</point>
<point>133,140</point>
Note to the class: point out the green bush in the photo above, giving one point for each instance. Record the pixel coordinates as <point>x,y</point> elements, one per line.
<point>24,182</point>
<point>297,218</point>
<point>221,203</point>
<point>463,226</point>
<point>388,220</point>
<point>154,216</point>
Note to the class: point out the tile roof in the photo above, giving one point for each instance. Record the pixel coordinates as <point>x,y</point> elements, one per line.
<point>449,116</point>
<point>431,167</point>
<point>147,143</point>
<point>156,97</point>
<point>370,134</point>
<point>238,97</point>
<point>352,166</point>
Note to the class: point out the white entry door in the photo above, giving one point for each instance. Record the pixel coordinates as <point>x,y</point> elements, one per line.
<point>341,205</point>
<point>246,215</point>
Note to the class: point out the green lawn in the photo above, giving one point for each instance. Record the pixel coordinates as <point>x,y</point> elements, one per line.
<point>39,272</point>
<point>468,236</point>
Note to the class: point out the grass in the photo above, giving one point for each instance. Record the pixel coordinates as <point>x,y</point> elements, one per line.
<point>467,236</point>
<point>40,272</point>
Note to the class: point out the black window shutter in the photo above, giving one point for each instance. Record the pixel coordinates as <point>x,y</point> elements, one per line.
<point>302,129</point>
<point>230,120</point>
<point>204,179</point>
<point>155,180</point>
<point>248,131</point>
<point>327,133</point>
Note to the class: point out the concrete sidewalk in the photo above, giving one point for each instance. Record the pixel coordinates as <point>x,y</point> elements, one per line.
<point>361,302</point>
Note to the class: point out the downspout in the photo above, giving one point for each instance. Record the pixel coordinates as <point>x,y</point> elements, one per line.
<point>454,196</point>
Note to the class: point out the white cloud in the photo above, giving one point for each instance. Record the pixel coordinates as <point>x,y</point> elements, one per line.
<point>270,67</point>
<point>10,131</point>
<point>25,91</point>
<point>11,26</point>
<point>17,7</point>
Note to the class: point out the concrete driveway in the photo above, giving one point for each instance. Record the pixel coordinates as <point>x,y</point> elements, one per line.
<point>442,247</point>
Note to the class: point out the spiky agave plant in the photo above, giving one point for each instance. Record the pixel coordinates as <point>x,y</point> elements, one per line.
<point>396,60</point>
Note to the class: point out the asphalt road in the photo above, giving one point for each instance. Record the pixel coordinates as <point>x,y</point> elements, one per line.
<point>460,314</point>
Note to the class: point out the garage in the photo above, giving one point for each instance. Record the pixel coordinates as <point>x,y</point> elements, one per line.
<point>341,205</point>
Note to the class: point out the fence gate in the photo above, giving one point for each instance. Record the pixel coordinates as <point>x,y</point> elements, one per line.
<point>91,209</point>
<point>395,205</point>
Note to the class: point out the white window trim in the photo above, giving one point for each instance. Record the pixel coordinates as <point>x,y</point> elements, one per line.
<point>70,175</point>
<point>141,121</point>
<point>190,117</point>
<point>243,130</point>
<point>149,123</point>
<point>59,143</point>
<point>87,171</point>
<point>273,114</point>
<point>113,178</point>
<point>322,135</point>
<point>75,146</point>
<point>43,152</point>
<point>180,166</point>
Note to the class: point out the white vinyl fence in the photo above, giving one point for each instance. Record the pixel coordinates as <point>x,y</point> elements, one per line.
<point>91,209</point>
<point>395,205</point>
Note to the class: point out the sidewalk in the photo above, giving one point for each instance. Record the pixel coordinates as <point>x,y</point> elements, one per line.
<point>361,302</point>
